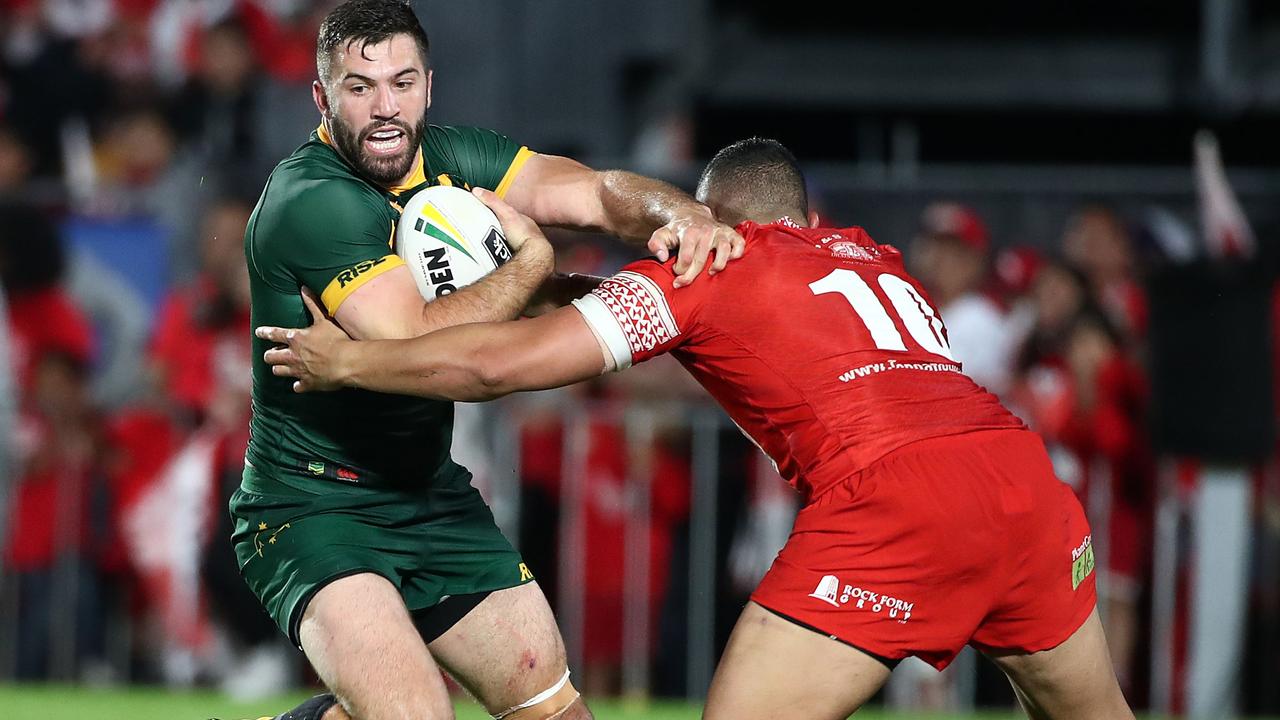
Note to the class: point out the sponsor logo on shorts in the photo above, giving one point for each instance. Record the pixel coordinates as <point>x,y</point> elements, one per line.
<point>829,591</point>
<point>525,573</point>
<point>1082,562</point>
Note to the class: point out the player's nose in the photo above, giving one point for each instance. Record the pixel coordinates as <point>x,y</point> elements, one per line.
<point>385,103</point>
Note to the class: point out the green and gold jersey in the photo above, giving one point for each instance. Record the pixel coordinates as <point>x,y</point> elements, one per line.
<point>321,226</point>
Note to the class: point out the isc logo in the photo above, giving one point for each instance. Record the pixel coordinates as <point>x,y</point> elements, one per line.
<point>438,271</point>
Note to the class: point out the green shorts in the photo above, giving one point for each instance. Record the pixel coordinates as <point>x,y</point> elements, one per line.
<point>294,535</point>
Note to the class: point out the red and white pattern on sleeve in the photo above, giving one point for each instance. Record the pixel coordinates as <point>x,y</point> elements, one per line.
<point>630,314</point>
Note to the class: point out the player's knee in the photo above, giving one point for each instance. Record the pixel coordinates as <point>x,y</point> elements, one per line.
<point>559,702</point>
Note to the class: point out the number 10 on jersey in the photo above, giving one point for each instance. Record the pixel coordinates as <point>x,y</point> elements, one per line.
<point>921,320</point>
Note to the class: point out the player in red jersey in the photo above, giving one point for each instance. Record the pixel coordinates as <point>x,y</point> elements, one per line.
<point>932,518</point>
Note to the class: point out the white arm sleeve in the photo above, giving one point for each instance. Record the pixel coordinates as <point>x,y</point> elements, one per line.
<point>607,330</point>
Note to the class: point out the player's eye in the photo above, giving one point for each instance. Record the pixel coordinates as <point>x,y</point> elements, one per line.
<point>404,84</point>
<point>359,89</point>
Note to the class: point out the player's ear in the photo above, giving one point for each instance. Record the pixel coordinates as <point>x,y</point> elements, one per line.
<point>320,98</point>
<point>429,75</point>
<point>813,218</point>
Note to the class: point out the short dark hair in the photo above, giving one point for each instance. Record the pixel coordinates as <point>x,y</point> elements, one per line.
<point>367,22</point>
<point>754,179</point>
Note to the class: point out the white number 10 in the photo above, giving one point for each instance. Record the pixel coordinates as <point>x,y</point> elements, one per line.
<point>920,320</point>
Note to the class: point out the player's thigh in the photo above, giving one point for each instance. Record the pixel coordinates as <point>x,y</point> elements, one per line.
<point>507,650</point>
<point>362,643</point>
<point>1073,680</point>
<point>775,669</point>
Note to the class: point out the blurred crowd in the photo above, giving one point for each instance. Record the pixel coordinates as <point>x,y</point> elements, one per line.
<point>134,138</point>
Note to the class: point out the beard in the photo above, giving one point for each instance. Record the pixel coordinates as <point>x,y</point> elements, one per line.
<point>381,170</point>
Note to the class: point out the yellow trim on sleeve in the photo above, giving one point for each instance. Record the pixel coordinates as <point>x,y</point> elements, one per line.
<point>353,278</point>
<point>522,156</point>
<point>445,180</point>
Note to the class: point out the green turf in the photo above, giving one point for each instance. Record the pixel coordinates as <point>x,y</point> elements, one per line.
<point>61,702</point>
<point>54,702</point>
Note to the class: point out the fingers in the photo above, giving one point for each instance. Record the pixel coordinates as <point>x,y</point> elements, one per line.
<point>723,250</point>
<point>312,303</point>
<point>283,361</point>
<point>661,242</point>
<point>691,260</point>
<point>697,240</point>
<point>727,245</point>
<point>490,198</point>
<point>507,215</point>
<point>518,227</point>
<point>737,245</point>
<point>275,334</point>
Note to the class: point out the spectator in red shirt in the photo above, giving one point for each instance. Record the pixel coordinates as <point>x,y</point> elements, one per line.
<point>1087,398</point>
<point>200,351</point>
<point>57,444</point>
<point>1097,241</point>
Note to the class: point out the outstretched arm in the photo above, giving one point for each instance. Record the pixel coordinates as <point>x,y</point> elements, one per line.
<point>559,191</point>
<point>478,361</point>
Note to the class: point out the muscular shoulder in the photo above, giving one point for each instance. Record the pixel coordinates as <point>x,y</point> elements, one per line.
<point>477,156</point>
<point>314,179</point>
<point>312,196</point>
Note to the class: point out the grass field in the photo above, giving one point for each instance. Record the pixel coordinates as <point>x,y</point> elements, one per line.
<point>60,702</point>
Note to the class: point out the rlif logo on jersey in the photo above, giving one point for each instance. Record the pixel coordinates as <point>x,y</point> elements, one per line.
<point>829,591</point>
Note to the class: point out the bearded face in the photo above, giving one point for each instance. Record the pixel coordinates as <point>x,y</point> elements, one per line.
<point>375,106</point>
<point>383,150</point>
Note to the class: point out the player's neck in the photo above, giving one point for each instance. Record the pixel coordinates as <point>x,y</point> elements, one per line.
<point>414,170</point>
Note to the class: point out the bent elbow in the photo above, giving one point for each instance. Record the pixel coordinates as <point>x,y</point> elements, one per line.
<point>491,378</point>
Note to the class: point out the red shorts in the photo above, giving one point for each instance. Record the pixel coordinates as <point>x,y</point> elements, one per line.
<point>969,539</point>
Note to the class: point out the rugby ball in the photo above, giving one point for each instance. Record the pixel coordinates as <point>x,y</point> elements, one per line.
<point>449,239</point>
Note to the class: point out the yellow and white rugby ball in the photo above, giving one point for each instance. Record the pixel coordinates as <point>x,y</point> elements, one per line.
<point>449,239</point>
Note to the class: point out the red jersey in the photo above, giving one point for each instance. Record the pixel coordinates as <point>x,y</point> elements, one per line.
<point>816,342</point>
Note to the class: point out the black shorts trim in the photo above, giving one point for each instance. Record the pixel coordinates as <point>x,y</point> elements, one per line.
<point>436,620</point>
<point>887,662</point>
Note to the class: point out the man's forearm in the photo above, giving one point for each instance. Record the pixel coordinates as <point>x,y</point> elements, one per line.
<point>634,205</point>
<point>500,295</point>
<point>439,365</point>
<point>559,290</point>
<point>480,361</point>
